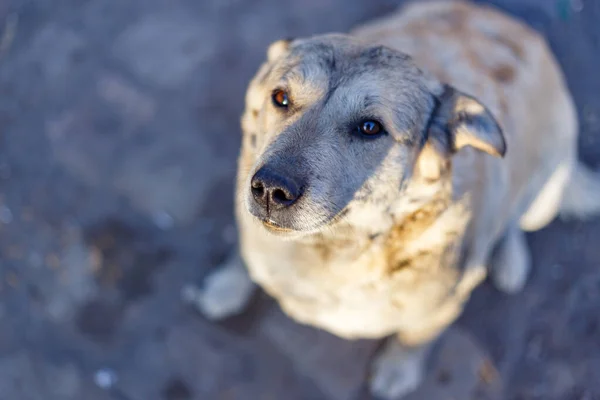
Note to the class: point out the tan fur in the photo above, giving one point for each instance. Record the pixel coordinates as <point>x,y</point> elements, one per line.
<point>402,255</point>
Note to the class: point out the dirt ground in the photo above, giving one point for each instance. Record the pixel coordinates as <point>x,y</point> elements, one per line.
<point>118,138</point>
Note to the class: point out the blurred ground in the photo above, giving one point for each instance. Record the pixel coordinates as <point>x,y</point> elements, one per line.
<point>118,138</point>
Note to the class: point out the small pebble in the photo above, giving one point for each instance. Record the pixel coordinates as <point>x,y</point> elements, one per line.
<point>6,215</point>
<point>105,378</point>
<point>163,220</point>
<point>487,372</point>
<point>53,261</point>
<point>12,279</point>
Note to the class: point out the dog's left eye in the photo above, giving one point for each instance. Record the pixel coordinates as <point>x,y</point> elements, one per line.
<point>370,128</point>
<point>280,98</point>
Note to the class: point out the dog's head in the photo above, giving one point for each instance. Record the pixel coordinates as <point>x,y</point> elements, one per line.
<point>334,125</point>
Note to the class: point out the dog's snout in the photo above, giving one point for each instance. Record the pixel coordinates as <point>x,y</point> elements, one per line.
<point>272,190</point>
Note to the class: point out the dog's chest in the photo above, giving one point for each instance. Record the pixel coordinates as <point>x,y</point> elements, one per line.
<point>364,287</point>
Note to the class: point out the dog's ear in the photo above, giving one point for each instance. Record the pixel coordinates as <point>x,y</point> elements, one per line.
<point>459,120</point>
<point>278,48</point>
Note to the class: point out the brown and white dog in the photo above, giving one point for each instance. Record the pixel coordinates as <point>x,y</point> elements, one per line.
<point>385,172</point>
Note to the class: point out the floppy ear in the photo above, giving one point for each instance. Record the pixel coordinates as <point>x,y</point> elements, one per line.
<point>278,48</point>
<point>459,120</point>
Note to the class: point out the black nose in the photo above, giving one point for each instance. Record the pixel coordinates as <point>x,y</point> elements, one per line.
<point>274,191</point>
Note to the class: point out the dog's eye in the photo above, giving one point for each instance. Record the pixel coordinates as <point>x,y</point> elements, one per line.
<point>370,128</point>
<point>280,98</point>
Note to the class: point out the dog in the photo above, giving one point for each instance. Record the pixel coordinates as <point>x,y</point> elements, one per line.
<point>385,173</point>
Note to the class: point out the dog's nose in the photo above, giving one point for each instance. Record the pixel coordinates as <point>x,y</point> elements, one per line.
<point>274,191</point>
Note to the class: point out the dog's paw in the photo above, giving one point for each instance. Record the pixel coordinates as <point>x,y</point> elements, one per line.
<point>396,372</point>
<point>511,264</point>
<point>511,279</point>
<point>224,293</point>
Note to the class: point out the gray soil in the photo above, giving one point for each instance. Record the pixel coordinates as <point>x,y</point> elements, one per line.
<point>118,139</point>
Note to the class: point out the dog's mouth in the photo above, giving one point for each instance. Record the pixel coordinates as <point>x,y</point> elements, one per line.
<point>275,228</point>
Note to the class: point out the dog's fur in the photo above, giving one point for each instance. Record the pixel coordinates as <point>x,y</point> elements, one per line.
<point>392,233</point>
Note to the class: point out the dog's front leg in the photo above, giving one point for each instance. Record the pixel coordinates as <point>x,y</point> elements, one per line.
<point>226,291</point>
<point>398,369</point>
<point>511,261</point>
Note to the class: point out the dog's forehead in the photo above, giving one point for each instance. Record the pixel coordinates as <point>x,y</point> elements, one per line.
<point>335,57</point>
<point>343,69</point>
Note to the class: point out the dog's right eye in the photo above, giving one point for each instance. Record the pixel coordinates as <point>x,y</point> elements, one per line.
<point>280,98</point>
<point>370,128</point>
